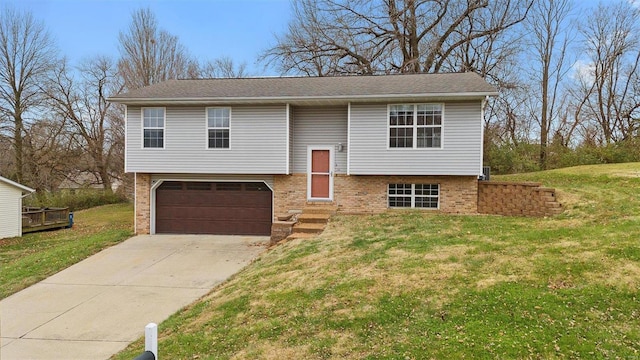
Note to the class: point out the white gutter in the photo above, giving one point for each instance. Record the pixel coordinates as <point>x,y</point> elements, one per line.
<point>280,99</point>
<point>19,186</point>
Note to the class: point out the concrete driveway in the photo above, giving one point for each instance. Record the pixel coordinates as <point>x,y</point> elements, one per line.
<point>97,307</point>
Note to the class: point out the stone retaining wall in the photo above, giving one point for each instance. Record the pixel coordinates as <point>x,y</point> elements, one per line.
<point>517,199</point>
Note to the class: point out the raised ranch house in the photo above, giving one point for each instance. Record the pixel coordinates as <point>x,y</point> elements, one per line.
<point>224,156</point>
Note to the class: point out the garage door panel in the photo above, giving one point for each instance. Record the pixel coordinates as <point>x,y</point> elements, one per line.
<point>213,208</point>
<point>204,227</point>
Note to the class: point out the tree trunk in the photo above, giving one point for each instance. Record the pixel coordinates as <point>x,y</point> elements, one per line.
<point>17,145</point>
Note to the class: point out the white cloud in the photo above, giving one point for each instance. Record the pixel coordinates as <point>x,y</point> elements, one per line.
<point>584,70</point>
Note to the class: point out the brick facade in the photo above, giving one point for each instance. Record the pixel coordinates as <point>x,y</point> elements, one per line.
<point>517,199</point>
<point>289,193</point>
<point>143,204</point>
<point>368,194</point>
<point>352,194</point>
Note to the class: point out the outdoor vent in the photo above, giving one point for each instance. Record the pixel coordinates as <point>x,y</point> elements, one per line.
<point>486,173</point>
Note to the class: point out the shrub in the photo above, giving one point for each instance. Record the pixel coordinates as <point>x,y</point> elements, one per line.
<point>74,199</point>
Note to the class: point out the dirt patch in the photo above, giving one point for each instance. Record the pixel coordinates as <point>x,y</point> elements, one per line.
<point>272,351</point>
<point>493,280</point>
<point>621,274</point>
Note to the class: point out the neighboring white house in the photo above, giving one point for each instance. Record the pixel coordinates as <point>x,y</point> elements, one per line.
<point>11,194</point>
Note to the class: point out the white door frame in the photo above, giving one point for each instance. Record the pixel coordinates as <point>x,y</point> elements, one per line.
<point>310,149</point>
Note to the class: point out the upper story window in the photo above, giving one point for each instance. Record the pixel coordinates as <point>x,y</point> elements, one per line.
<point>218,127</point>
<point>415,126</point>
<point>153,127</point>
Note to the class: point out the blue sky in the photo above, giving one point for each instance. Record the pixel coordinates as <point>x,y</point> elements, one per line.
<point>239,29</point>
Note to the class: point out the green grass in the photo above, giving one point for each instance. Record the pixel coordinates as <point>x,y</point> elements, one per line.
<point>418,285</point>
<point>35,256</point>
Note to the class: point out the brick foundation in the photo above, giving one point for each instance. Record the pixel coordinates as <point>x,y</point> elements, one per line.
<point>516,199</point>
<point>289,193</point>
<point>368,194</point>
<point>143,204</point>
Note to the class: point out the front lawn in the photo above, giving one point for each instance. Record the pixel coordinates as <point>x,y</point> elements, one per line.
<point>418,285</point>
<point>35,256</point>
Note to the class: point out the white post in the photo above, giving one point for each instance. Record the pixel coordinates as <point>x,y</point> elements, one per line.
<point>151,339</point>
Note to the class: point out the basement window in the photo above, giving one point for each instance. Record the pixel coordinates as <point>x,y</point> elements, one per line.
<point>421,196</point>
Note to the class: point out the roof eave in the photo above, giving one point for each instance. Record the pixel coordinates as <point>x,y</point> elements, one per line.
<point>294,99</point>
<point>25,189</point>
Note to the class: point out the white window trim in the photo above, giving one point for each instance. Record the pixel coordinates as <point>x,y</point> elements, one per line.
<point>207,128</point>
<point>413,198</point>
<point>415,127</point>
<point>163,128</point>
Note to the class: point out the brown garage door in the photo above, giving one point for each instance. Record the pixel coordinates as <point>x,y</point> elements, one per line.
<point>227,208</point>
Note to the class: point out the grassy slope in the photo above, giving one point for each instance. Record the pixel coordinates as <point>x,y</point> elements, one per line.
<point>35,256</point>
<point>418,285</point>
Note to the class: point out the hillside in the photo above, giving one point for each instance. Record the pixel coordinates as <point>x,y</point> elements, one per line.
<point>418,285</point>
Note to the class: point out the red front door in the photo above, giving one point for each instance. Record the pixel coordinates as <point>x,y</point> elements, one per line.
<point>320,174</point>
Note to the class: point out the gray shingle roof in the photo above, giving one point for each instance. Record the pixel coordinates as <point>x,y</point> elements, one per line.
<point>310,88</point>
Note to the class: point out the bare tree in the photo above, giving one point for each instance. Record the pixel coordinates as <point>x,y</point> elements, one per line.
<point>96,122</point>
<point>223,67</point>
<point>149,55</point>
<point>548,40</point>
<point>333,37</point>
<point>49,153</point>
<point>493,56</point>
<point>27,55</point>
<point>608,90</point>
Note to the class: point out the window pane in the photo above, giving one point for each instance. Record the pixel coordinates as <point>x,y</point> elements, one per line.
<point>218,139</point>
<point>228,186</point>
<point>198,186</point>
<point>153,117</point>
<point>218,117</point>
<point>401,137</point>
<point>399,195</point>
<point>427,195</point>
<point>171,185</point>
<point>425,202</point>
<point>397,202</point>
<point>256,187</point>
<point>153,138</point>
<point>429,114</point>
<point>429,137</point>
<point>401,115</point>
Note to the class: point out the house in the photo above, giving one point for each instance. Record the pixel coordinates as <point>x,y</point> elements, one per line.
<point>86,180</point>
<point>11,194</point>
<point>225,156</point>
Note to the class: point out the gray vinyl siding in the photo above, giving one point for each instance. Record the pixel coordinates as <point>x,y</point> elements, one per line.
<point>258,139</point>
<point>291,132</point>
<point>319,126</point>
<point>461,153</point>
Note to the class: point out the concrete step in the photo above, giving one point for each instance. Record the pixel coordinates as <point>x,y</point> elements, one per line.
<point>311,228</point>
<point>553,204</point>
<point>320,209</point>
<point>313,218</point>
